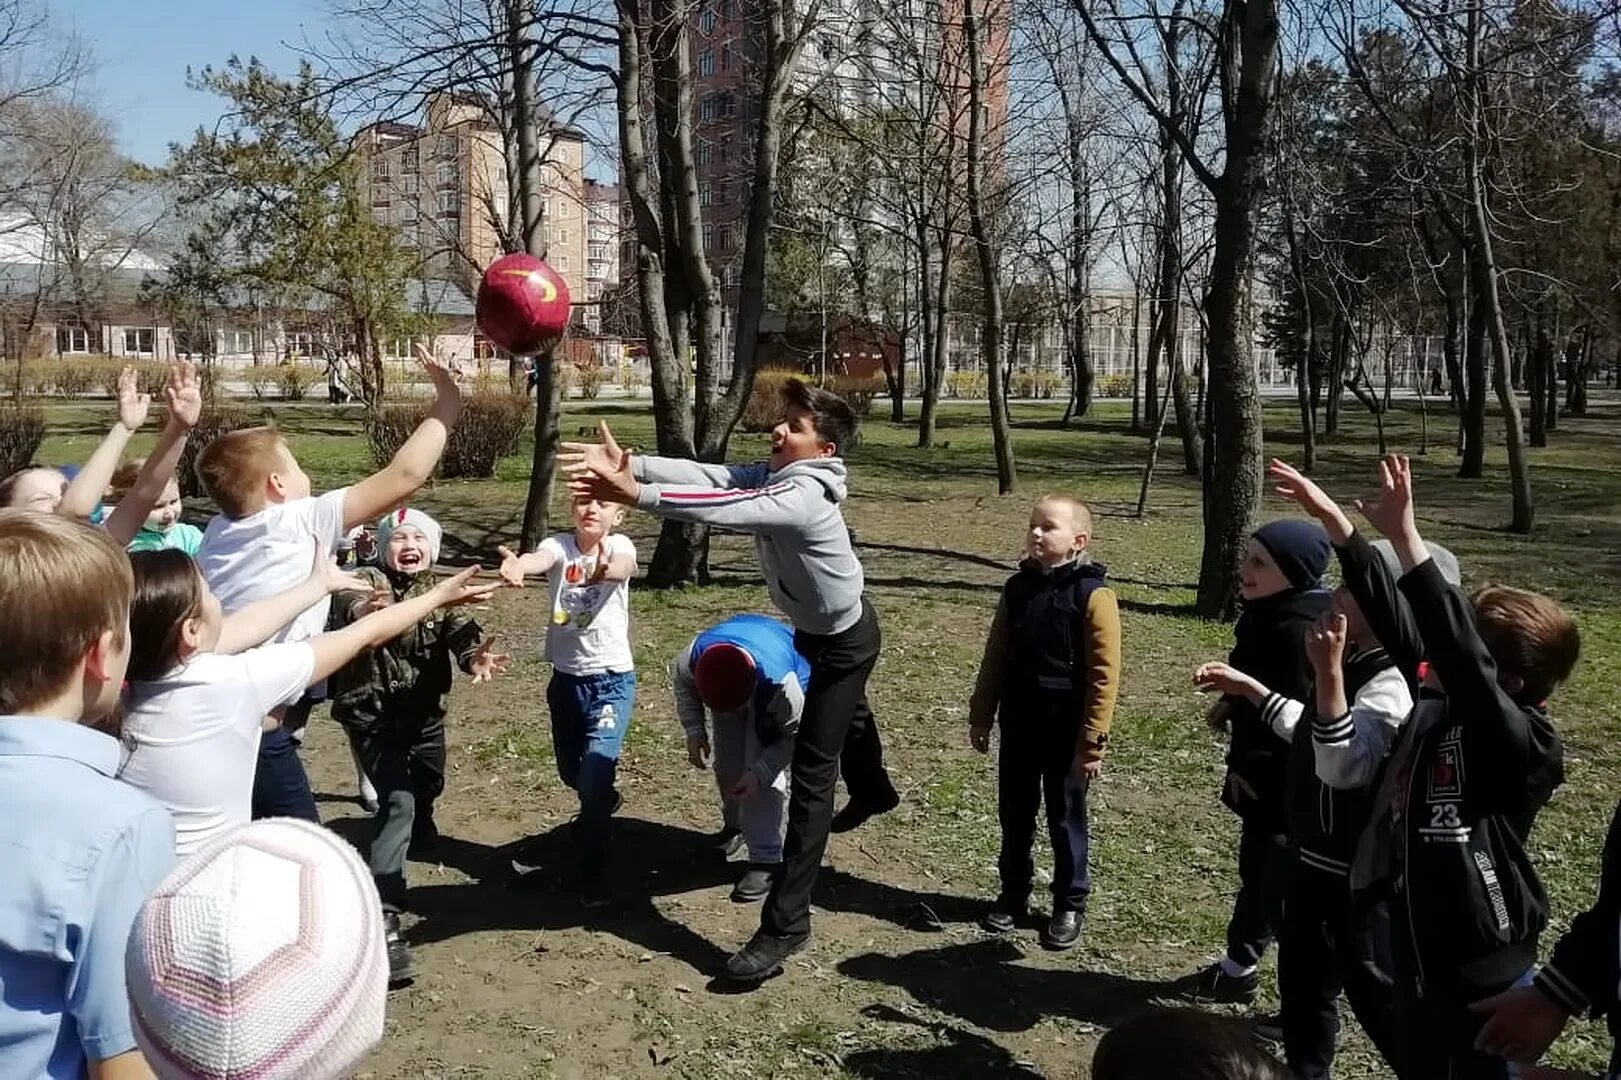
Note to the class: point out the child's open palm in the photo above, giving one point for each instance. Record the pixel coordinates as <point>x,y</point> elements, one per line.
<point>133,406</point>
<point>1291,483</point>
<point>460,590</point>
<point>511,567</point>
<point>601,457</point>
<point>335,580</point>
<point>184,395</point>
<point>445,391</point>
<point>487,663</point>
<point>1391,512</point>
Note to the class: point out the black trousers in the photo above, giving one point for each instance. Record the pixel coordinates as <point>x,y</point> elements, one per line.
<point>837,728</point>
<point>1434,1031</point>
<point>1036,765</point>
<point>1264,865</point>
<point>281,787</point>
<point>406,763</point>
<point>1324,947</point>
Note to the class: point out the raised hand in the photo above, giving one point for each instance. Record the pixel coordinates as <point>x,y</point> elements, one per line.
<point>602,456</point>
<point>335,580</point>
<point>603,475</point>
<point>460,590</point>
<point>1224,679</point>
<point>184,395</point>
<point>511,567</point>
<point>1325,643</point>
<point>446,394</point>
<point>133,406</point>
<point>1521,1023</point>
<point>487,663</point>
<point>1391,511</point>
<point>1290,483</point>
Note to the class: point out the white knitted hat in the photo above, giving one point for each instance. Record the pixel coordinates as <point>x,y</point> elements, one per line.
<point>262,956</point>
<point>430,529</point>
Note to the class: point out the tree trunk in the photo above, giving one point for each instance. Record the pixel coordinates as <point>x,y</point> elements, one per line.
<point>1537,379</point>
<point>936,362</point>
<point>1137,359</point>
<point>543,466</point>
<point>1234,468</point>
<point>1308,421</point>
<point>1001,436</point>
<point>1339,354</point>
<point>1473,463</point>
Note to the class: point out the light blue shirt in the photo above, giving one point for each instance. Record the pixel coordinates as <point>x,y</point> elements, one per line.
<point>79,853</point>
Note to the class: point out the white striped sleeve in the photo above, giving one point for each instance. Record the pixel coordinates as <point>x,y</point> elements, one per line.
<point>1282,714</point>
<point>1350,748</point>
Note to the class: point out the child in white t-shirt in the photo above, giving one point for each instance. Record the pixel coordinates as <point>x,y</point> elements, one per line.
<point>259,546</point>
<point>201,683</point>
<point>593,686</point>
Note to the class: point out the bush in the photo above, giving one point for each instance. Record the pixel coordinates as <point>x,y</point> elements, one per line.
<point>491,426</point>
<point>260,379</point>
<point>1112,386</point>
<point>1038,385</point>
<point>108,372</point>
<point>294,379</point>
<point>153,376</point>
<point>76,378</point>
<point>965,384</point>
<point>216,421</point>
<point>590,380</point>
<point>858,390</point>
<point>22,429</point>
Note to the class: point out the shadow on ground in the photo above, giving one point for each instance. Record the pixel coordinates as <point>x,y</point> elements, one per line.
<point>957,1052</point>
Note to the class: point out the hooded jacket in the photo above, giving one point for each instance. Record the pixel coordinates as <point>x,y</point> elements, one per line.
<point>795,515</point>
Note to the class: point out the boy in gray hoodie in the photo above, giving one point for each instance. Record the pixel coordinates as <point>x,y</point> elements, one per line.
<point>791,503</point>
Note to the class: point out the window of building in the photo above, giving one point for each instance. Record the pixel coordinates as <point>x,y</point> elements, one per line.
<point>445,174</point>
<point>402,348</point>
<point>235,342</point>
<point>450,203</point>
<point>705,152</point>
<point>706,63</point>
<point>726,239</point>
<point>709,237</point>
<point>140,341</point>
<point>446,147</point>
<point>562,236</point>
<point>410,161</point>
<point>301,343</point>
<point>412,184</point>
<point>706,20</point>
<point>562,262</point>
<point>705,193</point>
<point>72,339</point>
<point>709,107</point>
<point>726,150</point>
<point>407,212</point>
<point>379,168</point>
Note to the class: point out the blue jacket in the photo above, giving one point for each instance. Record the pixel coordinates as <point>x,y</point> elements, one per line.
<point>779,699</point>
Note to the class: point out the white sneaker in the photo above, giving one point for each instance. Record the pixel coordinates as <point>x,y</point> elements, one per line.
<point>368,792</point>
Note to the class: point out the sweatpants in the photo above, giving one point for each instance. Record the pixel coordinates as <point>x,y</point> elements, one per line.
<point>590,715</point>
<point>406,763</point>
<point>1324,947</point>
<point>763,816</point>
<point>836,730</point>
<point>1036,766</point>
<point>1264,864</point>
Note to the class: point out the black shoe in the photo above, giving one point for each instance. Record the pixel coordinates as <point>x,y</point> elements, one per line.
<point>594,894</point>
<point>762,957</point>
<point>755,884</point>
<point>1063,930</point>
<point>728,842</point>
<point>1268,1028</point>
<point>424,838</point>
<point>402,968</point>
<point>1003,917</point>
<point>1214,986</point>
<point>855,814</point>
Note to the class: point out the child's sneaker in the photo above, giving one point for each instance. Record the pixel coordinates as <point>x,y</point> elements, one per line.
<point>402,967</point>
<point>728,842</point>
<point>1213,985</point>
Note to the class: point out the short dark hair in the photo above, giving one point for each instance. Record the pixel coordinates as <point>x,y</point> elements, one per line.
<point>1529,635</point>
<point>835,421</point>
<point>1183,1044</point>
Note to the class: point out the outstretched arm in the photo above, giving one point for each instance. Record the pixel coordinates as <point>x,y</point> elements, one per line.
<point>515,567</point>
<point>414,462</point>
<point>258,622</point>
<point>184,396</point>
<point>84,493</point>
<point>335,649</point>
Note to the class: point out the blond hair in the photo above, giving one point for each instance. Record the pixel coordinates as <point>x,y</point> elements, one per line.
<point>1529,636</point>
<point>63,584</point>
<point>1079,512</point>
<point>233,469</point>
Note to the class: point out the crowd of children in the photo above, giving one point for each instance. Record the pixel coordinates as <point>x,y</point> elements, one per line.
<point>1388,744</point>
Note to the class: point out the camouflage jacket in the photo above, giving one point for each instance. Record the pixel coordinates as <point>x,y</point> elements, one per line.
<point>404,682</point>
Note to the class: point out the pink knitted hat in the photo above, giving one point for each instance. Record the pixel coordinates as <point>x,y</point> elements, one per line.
<point>261,956</point>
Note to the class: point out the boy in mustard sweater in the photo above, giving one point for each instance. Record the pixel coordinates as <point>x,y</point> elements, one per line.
<point>1050,676</point>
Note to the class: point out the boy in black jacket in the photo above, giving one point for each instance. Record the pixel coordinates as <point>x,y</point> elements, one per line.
<point>1280,581</point>
<point>1475,763</point>
<point>1582,976</point>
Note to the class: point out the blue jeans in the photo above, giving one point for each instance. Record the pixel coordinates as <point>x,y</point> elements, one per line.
<point>281,788</point>
<point>590,715</point>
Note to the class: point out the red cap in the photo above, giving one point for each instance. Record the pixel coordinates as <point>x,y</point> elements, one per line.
<point>725,677</point>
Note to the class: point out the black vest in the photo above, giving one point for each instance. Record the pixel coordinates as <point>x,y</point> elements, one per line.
<point>1325,822</point>
<point>1046,614</point>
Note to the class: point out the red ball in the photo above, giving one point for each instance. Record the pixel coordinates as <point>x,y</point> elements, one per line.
<point>522,304</point>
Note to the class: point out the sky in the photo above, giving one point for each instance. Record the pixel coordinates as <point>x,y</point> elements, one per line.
<point>142,48</point>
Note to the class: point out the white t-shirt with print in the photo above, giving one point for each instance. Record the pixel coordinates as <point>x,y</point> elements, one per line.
<point>248,559</point>
<point>192,737</point>
<point>588,630</point>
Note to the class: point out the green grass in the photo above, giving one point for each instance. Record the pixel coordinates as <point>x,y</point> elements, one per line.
<point>936,542</point>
